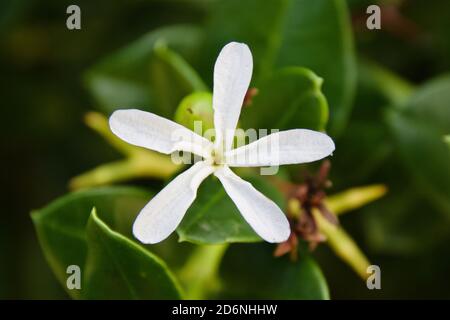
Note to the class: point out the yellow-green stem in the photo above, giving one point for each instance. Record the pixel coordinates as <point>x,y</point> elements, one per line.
<point>343,245</point>
<point>199,274</point>
<point>354,198</point>
<point>137,166</point>
<point>99,123</point>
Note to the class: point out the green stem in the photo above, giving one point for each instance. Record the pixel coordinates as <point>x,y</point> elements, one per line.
<point>139,162</point>
<point>199,274</point>
<point>99,123</point>
<point>354,198</point>
<point>180,67</point>
<point>343,245</point>
<point>144,164</point>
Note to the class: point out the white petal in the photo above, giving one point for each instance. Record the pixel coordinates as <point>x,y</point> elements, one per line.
<point>161,216</point>
<point>261,213</point>
<point>145,129</point>
<point>232,75</point>
<point>285,147</point>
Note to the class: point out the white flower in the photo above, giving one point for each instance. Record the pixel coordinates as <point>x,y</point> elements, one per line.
<point>232,74</point>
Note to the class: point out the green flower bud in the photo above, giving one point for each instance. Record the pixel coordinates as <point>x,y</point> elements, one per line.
<point>196,107</point>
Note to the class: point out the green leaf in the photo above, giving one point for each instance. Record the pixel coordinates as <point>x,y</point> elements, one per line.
<point>289,99</point>
<point>213,217</point>
<point>249,271</point>
<point>172,78</point>
<point>418,128</point>
<point>253,22</point>
<point>61,226</point>
<point>117,268</point>
<point>318,35</point>
<point>313,34</point>
<point>123,78</point>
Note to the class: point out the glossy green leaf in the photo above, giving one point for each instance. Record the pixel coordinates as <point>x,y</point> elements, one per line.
<point>291,98</point>
<point>313,34</point>
<point>122,80</point>
<point>250,271</point>
<point>61,227</point>
<point>251,22</point>
<point>117,268</point>
<point>418,128</point>
<point>214,218</point>
<point>318,35</point>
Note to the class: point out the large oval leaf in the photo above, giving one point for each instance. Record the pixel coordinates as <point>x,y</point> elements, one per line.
<point>250,271</point>
<point>118,268</point>
<point>61,226</point>
<point>213,217</point>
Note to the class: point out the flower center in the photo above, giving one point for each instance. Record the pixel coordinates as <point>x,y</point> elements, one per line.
<point>216,159</point>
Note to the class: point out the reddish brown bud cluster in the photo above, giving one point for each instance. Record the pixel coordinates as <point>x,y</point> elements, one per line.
<point>310,195</point>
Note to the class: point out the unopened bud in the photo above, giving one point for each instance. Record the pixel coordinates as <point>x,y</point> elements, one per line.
<point>196,107</point>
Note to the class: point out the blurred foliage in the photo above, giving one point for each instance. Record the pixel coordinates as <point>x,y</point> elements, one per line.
<point>265,277</point>
<point>385,91</point>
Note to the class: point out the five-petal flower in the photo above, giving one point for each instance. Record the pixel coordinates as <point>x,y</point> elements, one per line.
<point>232,74</point>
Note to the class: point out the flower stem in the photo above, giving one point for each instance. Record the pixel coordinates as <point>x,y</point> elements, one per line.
<point>139,162</point>
<point>144,164</point>
<point>337,238</point>
<point>99,123</point>
<point>343,245</point>
<point>199,274</point>
<point>354,198</point>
